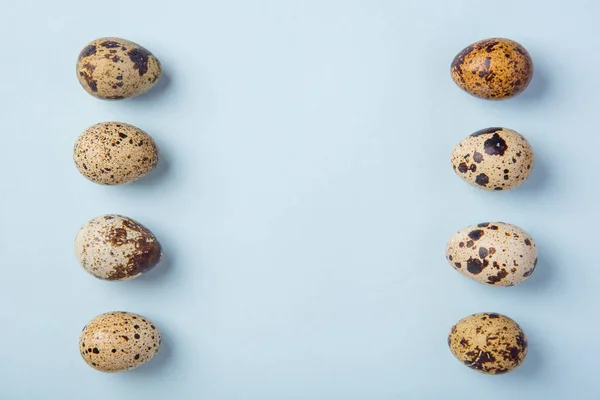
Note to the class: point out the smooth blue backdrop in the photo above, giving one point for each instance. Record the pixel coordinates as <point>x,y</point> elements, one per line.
<point>303,200</point>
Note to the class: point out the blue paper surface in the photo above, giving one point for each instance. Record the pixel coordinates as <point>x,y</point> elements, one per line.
<point>303,199</point>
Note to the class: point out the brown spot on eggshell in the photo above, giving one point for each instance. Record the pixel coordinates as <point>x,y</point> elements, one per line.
<point>474,266</point>
<point>116,248</point>
<point>490,343</point>
<point>482,179</point>
<point>116,59</point>
<point>140,57</point>
<point>476,234</point>
<point>495,146</point>
<point>504,159</point>
<point>492,280</point>
<point>102,156</point>
<point>499,244</point>
<point>493,69</point>
<point>87,51</point>
<point>85,75</point>
<point>109,351</point>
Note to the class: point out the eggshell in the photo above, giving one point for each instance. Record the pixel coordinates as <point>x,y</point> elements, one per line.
<point>115,248</point>
<point>493,159</point>
<point>113,153</point>
<point>493,69</point>
<point>119,341</point>
<point>490,343</point>
<point>114,68</point>
<point>494,253</point>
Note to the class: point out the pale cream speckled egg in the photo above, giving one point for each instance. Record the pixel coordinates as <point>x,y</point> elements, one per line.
<point>113,153</point>
<point>490,343</point>
<point>119,341</point>
<point>493,159</point>
<point>114,247</point>
<point>494,253</point>
<point>114,68</point>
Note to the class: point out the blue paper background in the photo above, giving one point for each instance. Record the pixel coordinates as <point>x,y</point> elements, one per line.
<point>303,201</point>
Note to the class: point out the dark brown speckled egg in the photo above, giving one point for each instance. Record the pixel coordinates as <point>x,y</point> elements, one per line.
<point>493,69</point>
<point>113,68</point>
<point>489,343</point>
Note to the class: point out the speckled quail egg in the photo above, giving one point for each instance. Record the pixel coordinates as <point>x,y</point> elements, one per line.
<point>113,153</point>
<point>494,253</point>
<point>119,341</point>
<point>493,69</point>
<point>493,159</point>
<point>490,343</point>
<point>116,248</point>
<point>113,68</point>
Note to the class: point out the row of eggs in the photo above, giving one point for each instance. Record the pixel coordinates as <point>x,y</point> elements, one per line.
<point>114,68</point>
<point>112,153</point>
<point>114,247</point>
<point>496,254</point>
<point>490,343</point>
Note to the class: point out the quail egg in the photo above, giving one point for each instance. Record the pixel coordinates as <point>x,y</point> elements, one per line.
<point>493,69</point>
<point>113,153</point>
<point>116,248</point>
<point>113,68</point>
<point>490,343</point>
<point>494,253</point>
<point>119,341</point>
<point>493,159</point>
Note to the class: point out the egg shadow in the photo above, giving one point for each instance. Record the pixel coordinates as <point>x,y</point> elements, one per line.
<point>159,274</point>
<point>161,362</point>
<point>544,277</point>
<point>538,182</point>
<point>538,88</point>
<point>159,173</point>
<point>155,178</point>
<point>159,90</point>
<point>533,365</point>
<point>536,367</point>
